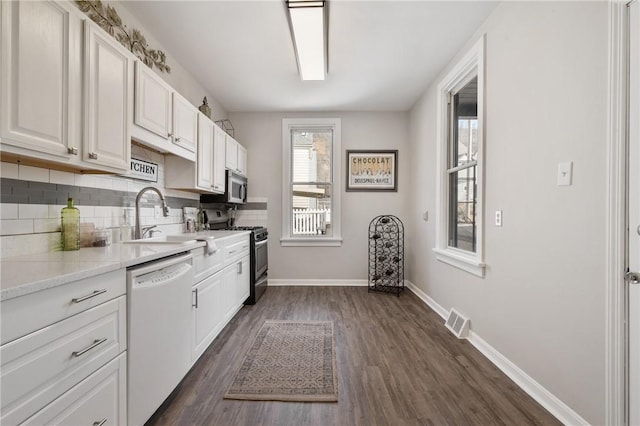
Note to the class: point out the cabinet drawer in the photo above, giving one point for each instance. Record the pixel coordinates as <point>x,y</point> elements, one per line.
<point>99,399</point>
<point>39,367</point>
<point>25,314</point>
<point>236,249</point>
<point>205,265</point>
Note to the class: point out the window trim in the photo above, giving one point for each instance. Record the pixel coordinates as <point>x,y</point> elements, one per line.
<point>287,239</point>
<point>470,64</point>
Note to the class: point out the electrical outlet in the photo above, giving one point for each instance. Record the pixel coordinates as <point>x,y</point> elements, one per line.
<point>425,216</point>
<point>157,212</point>
<point>498,217</point>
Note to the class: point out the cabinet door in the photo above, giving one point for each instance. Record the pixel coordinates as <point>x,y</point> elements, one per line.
<point>219,152</point>
<point>205,153</point>
<point>207,313</point>
<point>242,160</point>
<point>185,123</point>
<point>109,100</point>
<point>152,102</point>
<point>243,280</point>
<point>231,154</point>
<point>41,77</point>
<point>228,296</point>
<point>101,399</point>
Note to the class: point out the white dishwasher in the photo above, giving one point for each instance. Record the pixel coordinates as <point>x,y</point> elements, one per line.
<point>158,345</point>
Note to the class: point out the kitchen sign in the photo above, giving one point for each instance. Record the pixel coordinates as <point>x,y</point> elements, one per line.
<point>372,170</point>
<point>144,170</point>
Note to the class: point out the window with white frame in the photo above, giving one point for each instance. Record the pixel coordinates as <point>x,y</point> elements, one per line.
<point>459,220</point>
<point>311,182</point>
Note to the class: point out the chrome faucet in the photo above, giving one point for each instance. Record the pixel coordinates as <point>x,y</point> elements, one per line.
<point>165,208</point>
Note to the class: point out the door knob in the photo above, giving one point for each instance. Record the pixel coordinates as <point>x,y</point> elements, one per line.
<point>632,277</point>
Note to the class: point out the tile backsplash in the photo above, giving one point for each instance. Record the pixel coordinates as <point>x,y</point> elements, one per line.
<point>31,199</point>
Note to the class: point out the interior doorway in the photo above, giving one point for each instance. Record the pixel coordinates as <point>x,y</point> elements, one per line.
<point>633,218</point>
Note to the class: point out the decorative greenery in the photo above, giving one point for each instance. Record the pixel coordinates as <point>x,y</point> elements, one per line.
<point>132,39</point>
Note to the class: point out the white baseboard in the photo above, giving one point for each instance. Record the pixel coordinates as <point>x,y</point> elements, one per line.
<point>315,282</point>
<point>426,299</point>
<point>534,389</point>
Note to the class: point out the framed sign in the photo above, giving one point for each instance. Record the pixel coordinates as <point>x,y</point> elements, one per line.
<point>375,170</point>
<point>143,170</point>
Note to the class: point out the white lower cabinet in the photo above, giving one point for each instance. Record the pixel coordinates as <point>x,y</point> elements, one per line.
<point>100,399</point>
<point>222,285</point>
<point>243,279</point>
<point>229,297</point>
<point>62,339</point>
<point>207,313</point>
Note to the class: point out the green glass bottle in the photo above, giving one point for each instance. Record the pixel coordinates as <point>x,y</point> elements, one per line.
<point>70,227</point>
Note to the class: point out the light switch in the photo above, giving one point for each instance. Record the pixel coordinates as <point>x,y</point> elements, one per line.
<point>565,172</point>
<point>425,216</point>
<point>498,217</point>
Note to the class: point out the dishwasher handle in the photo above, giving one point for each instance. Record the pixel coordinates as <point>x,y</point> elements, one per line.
<point>162,272</point>
<point>162,263</point>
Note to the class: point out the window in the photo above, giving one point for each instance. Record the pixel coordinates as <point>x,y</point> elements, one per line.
<point>311,182</point>
<point>459,221</point>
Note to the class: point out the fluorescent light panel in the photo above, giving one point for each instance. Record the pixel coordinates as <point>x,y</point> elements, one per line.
<point>307,24</point>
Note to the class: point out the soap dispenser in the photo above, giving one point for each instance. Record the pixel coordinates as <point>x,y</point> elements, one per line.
<point>125,227</point>
<point>70,227</point>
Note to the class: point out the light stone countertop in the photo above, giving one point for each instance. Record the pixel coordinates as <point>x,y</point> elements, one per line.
<point>26,274</point>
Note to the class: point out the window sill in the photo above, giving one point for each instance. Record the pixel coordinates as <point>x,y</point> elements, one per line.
<point>461,260</point>
<point>311,242</point>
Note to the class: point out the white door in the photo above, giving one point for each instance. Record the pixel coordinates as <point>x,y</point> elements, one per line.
<point>40,79</point>
<point>219,159</point>
<point>634,215</point>
<point>152,102</point>
<point>204,164</point>
<point>109,95</point>
<point>185,123</point>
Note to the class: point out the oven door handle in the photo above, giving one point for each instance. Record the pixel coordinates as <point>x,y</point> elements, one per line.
<point>261,243</point>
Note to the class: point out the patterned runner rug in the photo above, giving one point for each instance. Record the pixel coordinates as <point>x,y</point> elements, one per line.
<point>289,361</point>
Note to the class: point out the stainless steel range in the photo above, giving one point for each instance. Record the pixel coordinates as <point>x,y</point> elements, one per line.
<point>259,258</point>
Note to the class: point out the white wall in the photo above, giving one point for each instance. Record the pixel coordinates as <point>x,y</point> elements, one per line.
<point>261,134</point>
<point>541,303</point>
<point>179,78</point>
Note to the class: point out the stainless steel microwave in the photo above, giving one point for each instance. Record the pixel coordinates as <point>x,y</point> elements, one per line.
<point>235,191</point>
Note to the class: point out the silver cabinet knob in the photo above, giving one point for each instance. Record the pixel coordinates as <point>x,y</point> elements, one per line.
<point>72,150</point>
<point>93,155</point>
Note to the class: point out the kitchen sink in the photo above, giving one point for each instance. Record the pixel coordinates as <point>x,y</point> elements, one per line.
<point>164,239</point>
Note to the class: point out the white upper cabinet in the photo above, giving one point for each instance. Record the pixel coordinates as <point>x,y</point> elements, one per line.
<point>153,102</point>
<point>242,160</point>
<point>41,79</point>
<point>203,175</point>
<point>66,95</point>
<point>219,150</point>
<point>163,119</point>
<point>185,123</point>
<point>108,100</point>
<point>231,162</point>
<point>205,153</point>
<point>236,156</point>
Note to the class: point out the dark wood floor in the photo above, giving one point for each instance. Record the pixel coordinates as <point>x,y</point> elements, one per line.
<point>397,365</point>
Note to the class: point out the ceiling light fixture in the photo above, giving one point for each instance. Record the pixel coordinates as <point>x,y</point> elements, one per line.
<point>308,23</point>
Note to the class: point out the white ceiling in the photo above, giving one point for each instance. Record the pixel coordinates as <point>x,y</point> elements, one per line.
<point>382,54</point>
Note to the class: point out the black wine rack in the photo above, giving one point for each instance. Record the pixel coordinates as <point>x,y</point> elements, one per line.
<point>386,254</point>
